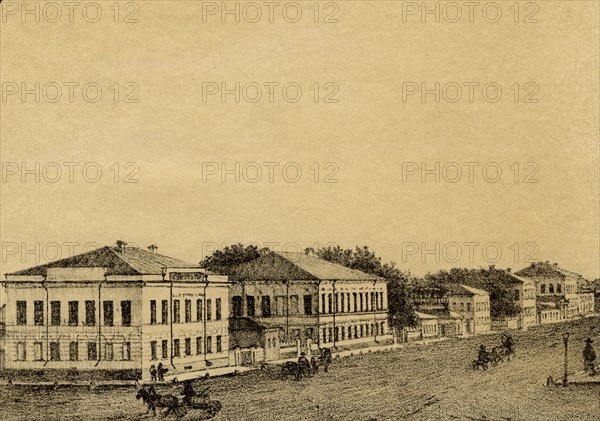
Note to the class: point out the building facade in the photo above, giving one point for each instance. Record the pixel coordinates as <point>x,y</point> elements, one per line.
<point>311,301</point>
<point>471,303</point>
<point>113,312</point>
<point>553,281</point>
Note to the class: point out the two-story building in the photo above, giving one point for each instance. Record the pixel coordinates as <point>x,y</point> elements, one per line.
<point>311,300</point>
<point>471,303</point>
<point>557,292</point>
<point>114,312</point>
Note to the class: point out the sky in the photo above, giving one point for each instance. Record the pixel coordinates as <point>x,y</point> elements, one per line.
<point>437,144</point>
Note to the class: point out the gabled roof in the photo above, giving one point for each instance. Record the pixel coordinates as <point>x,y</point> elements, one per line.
<point>460,289</point>
<point>125,261</point>
<point>278,266</point>
<point>546,269</point>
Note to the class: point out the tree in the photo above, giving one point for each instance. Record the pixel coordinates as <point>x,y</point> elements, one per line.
<point>401,311</point>
<point>223,261</point>
<point>496,282</point>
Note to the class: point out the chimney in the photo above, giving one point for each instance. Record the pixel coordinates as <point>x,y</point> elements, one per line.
<point>509,270</point>
<point>555,264</point>
<point>121,245</point>
<point>153,248</point>
<point>492,267</point>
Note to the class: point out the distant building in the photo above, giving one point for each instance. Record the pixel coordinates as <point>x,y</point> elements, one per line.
<point>113,312</point>
<point>473,304</point>
<point>432,304</point>
<point>311,301</point>
<point>558,292</point>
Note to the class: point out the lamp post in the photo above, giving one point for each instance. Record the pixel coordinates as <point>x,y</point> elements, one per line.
<point>565,381</point>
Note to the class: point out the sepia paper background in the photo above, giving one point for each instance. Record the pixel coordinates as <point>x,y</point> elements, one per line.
<point>374,48</point>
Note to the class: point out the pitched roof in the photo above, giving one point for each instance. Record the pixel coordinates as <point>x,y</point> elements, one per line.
<point>127,261</point>
<point>475,291</point>
<point>460,289</point>
<point>546,269</point>
<point>296,266</point>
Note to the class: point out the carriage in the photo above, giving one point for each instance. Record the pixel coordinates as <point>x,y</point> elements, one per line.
<point>204,407</point>
<point>296,369</point>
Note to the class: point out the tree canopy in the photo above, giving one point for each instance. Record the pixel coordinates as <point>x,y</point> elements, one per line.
<point>223,261</point>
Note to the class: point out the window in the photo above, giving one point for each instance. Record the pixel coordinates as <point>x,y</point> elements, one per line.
<point>323,303</point>
<point>90,313</point>
<point>343,332</point>
<point>208,344</point>
<point>108,313</point>
<point>198,345</point>
<point>55,313</point>
<point>219,344</point>
<point>468,306</point>
<point>176,348</point>
<point>92,351</point>
<point>373,303</point>
<point>188,346</point>
<point>250,306</point>
<point>218,309</point>
<point>336,305</point>
<point>237,306</point>
<point>294,304</point>
<point>208,310</point>
<point>543,289</point>
<point>308,304</point>
<point>343,303</point>
<point>188,311</point>
<point>265,306</point>
<point>74,351</point>
<point>21,312</point>
<point>108,351</point>
<point>127,351</point>
<point>176,312</point>
<point>165,349</point>
<point>336,334</point>
<point>279,305</point>
<point>362,331</point>
<point>558,288</point>
<point>38,313</point>
<point>153,350</point>
<point>516,295</point>
<point>126,313</point>
<point>551,289</point>
<point>38,354</point>
<point>73,313</point>
<point>462,306</point>
<point>54,351</point>
<point>324,335</point>
<point>199,310</point>
<point>164,312</point>
<point>355,331</point>
<point>329,303</point>
<point>21,351</point>
<point>354,307</point>
<point>152,312</point>
<point>381,300</point>
<point>360,298</point>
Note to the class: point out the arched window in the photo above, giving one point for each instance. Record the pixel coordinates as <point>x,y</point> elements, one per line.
<point>559,289</point>
<point>551,289</point>
<point>543,289</point>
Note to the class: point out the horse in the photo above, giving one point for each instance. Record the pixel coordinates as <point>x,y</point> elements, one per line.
<point>160,401</point>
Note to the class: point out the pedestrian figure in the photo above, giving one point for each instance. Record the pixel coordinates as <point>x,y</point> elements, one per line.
<point>153,373</point>
<point>589,357</point>
<point>161,372</point>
